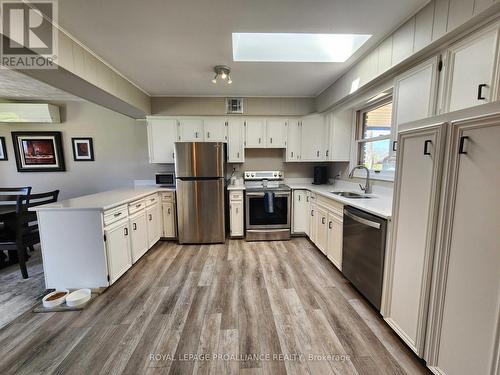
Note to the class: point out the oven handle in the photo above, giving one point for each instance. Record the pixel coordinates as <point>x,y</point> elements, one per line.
<point>262,194</point>
<point>361,220</point>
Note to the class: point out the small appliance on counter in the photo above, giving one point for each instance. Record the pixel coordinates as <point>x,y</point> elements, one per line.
<point>320,175</point>
<point>268,205</point>
<point>165,179</point>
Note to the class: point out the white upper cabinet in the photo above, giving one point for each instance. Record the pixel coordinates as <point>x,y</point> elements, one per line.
<point>190,130</point>
<point>472,68</point>
<point>276,133</point>
<point>480,5</point>
<point>313,136</point>
<point>415,205</point>
<point>340,136</point>
<point>162,134</point>
<point>255,130</point>
<point>235,140</point>
<point>215,129</point>
<point>415,92</point>
<point>293,140</point>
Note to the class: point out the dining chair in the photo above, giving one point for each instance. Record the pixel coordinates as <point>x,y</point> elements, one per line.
<point>26,229</point>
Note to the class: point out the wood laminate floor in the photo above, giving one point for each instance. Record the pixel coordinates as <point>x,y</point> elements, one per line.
<point>239,308</point>
<point>18,295</point>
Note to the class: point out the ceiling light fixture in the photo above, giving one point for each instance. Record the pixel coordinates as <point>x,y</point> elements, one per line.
<point>224,72</point>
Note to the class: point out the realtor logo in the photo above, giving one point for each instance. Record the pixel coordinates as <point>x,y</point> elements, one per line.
<point>29,38</point>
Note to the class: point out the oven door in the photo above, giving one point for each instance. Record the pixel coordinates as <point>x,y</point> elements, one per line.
<point>258,218</point>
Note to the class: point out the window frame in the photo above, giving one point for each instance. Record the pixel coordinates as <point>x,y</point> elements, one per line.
<point>360,140</point>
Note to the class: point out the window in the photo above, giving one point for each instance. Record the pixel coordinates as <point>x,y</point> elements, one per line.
<point>374,137</point>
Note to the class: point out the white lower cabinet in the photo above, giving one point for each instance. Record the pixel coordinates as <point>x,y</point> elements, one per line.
<point>300,212</point>
<point>118,249</point>
<point>138,235</point>
<point>236,218</point>
<point>464,331</point>
<point>169,221</point>
<point>321,237</point>
<point>168,209</point>
<point>335,232</point>
<point>409,264</point>
<point>321,219</point>
<point>153,218</point>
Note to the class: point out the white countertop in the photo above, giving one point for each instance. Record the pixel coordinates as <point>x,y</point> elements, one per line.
<point>380,204</point>
<point>103,201</point>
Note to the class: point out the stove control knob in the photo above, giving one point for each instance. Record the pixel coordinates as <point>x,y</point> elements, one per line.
<point>281,174</point>
<point>275,174</point>
<point>253,174</point>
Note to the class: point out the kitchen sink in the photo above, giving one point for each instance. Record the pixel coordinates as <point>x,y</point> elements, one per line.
<point>351,194</point>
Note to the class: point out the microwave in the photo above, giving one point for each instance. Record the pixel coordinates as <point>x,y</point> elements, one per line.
<point>165,179</point>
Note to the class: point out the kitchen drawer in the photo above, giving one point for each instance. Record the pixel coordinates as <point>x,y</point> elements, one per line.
<point>151,199</point>
<point>136,206</point>
<point>236,196</point>
<point>115,214</point>
<point>167,196</point>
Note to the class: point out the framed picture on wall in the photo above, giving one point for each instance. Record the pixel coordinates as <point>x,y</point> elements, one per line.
<point>3,149</point>
<point>38,151</point>
<point>83,149</point>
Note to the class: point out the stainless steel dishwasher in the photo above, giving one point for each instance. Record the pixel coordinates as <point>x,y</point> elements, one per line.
<point>363,252</point>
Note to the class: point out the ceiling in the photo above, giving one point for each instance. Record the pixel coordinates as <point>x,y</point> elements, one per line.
<point>17,86</point>
<point>169,47</point>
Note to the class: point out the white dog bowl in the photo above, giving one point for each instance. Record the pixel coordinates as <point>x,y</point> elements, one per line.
<point>48,300</point>
<point>78,297</point>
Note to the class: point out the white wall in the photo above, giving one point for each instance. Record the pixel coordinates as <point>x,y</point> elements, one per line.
<point>120,147</point>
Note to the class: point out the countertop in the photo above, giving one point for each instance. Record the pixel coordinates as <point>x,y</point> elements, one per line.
<point>379,204</point>
<point>103,201</point>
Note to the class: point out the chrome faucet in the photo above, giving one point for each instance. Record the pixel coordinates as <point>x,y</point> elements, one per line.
<point>368,188</point>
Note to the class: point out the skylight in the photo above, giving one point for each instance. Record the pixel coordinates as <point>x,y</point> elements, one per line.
<point>296,47</point>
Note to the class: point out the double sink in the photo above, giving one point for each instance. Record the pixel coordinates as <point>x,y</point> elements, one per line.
<point>351,194</point>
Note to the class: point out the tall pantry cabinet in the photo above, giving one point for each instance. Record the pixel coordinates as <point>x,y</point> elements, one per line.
<point>464,333</point>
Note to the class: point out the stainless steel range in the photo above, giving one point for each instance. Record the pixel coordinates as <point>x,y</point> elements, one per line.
<point>268,204</point>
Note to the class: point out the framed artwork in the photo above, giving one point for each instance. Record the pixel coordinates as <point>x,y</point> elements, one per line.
<point>38,151</point>
<point>3,149</point>
<point>83,149</point>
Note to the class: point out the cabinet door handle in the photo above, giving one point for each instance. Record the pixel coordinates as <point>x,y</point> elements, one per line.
<point>137,205</point>
<point>480,91</point>
<point>317,154</point>
<point>323,220</point>
<point>330,225</point>
<point>394,145</point>
<point>238,155</point>
<point>117,214</point>
<point>462,144</point>
<point>312,212</point>
<point>259,140</point>
<point>168,211</point>
<point>196,134</point>
<point>326,153</point>
<point>134,226</point>
<point>426,144</point>
<point>150,217</point>
<point>291,155</point>
<point>125,231</point>
<point>299,198</point>
<point>307,199</point>
<point>271,140</point>
<point>173,155</point>
<point>236,209</point>
<point>208,134</point>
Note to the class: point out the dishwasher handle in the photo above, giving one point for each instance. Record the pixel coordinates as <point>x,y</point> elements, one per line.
<point>362,220</point>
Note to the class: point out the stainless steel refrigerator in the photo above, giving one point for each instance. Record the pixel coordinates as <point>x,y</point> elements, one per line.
<point>199,171</point>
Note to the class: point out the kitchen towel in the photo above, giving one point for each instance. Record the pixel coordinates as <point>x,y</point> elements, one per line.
<point>269,202</point>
